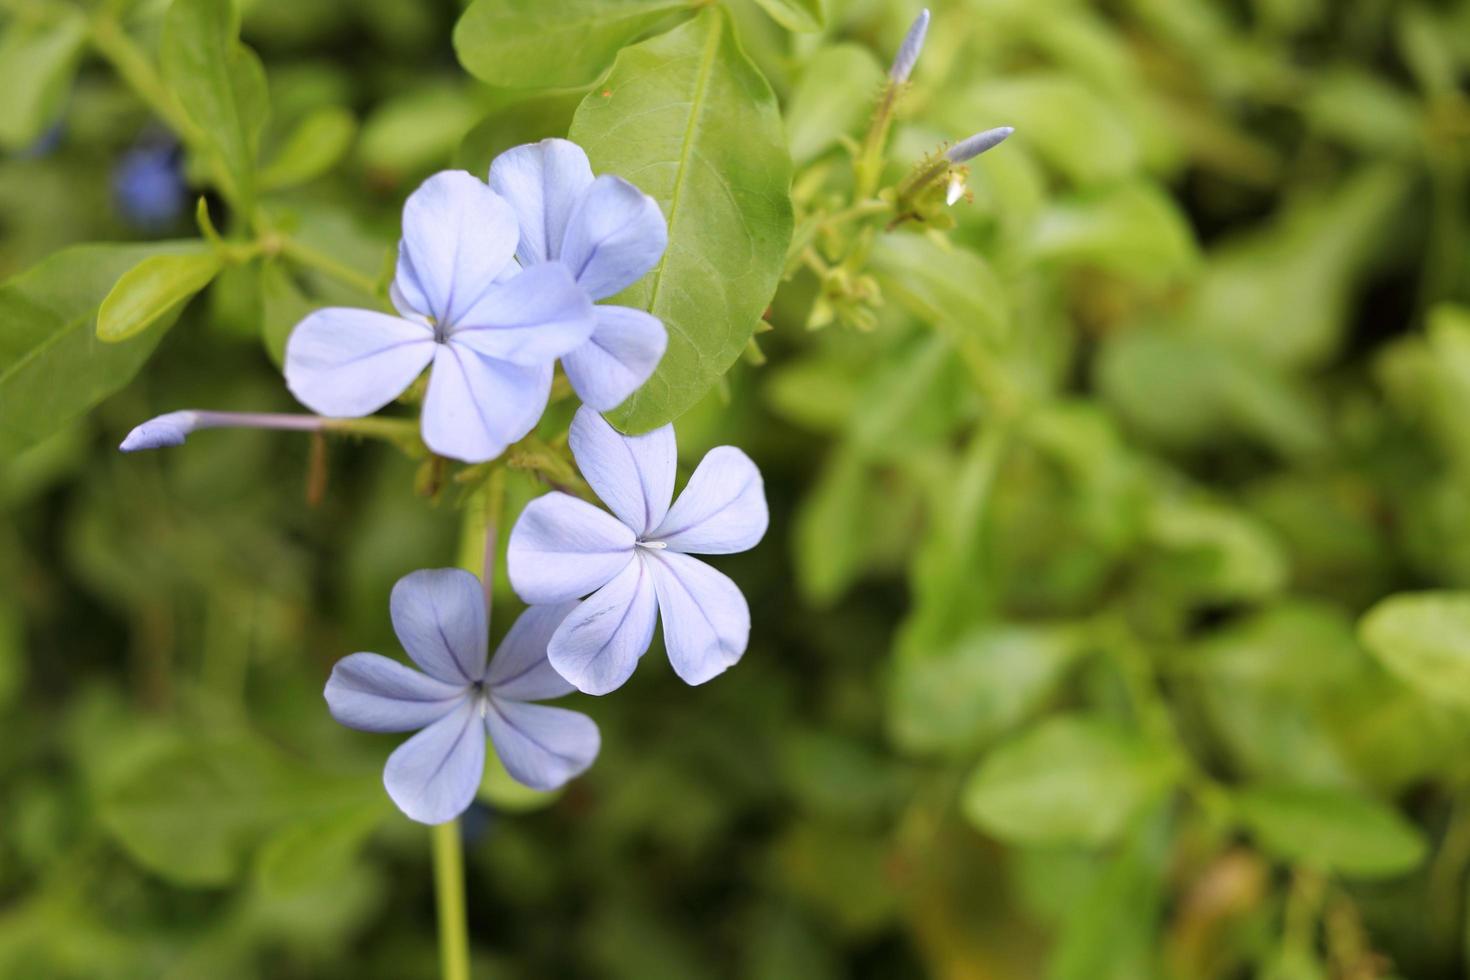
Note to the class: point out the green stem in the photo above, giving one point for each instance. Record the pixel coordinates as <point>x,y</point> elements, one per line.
<point>136,70</point>
<point>454,938</point>
<point>308,256</point>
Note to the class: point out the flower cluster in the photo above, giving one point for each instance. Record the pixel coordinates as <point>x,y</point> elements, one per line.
<point>495,283</point>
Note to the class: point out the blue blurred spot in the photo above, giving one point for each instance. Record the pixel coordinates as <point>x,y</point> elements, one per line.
<point>148,185</point>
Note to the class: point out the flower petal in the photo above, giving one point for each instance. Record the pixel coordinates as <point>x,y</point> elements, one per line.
<point>375,694</point>
<point>476,405</point>
<point>458,236</point>
<point>532,318</point>
<point>519,671</point>
<point>625,347</point>
<point>543,183</point>
<point>616,234</point>
<point>722,508</point>
<point>597,647</point>
<point>706,620</point>
<point>433,776</point>
<point>633,475</point>
<point>349,363</point>
<point>439,616</point>
<point>563,548</point>
<point>541,747</point>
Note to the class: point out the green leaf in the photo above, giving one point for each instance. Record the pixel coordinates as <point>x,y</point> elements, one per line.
<point>1331,830</point>
<point>829,540</point>
<point>1070,780</point>
<point>804,16</point>
<point>1424,639</point>
<point>221,85</point>
<point>551,43</point>
<point>37,61</point>
<point>153,290</point>
<point>949,287</point>
<point>316,849</point>
<point>691,121</point>
<point>314,147</point>
<point>49,311</point>
<point>833,98</point>
<point>283,307</point>
<point>1135,229</point>
<point>415,131</point>
<point>958,698</point>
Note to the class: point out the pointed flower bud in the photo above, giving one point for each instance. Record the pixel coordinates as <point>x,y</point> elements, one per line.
<point>908,52</point>
<point>172,429</point>
<point>969,149</point>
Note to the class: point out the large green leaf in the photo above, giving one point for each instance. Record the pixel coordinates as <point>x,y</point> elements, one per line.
<point>1424,638</point>
<point>221,85</point>
<point>1070,780</point>
<point>48,312</point>
<point>691,121</point>
<point>551,43</point>
<point>37,59</point>
<point>1330,829</point>
<point>796,15</point>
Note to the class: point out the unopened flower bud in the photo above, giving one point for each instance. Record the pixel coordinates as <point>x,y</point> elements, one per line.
<point>908,52</point>
<point>969,149</point>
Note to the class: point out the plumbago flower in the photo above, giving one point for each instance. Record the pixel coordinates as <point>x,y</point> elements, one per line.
<point>608,234</point>
<point>491,331</point>
<point>635,561</point>
<point>441,620</point>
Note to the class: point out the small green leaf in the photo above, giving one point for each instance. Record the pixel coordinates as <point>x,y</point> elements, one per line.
<point>834,98</point>
<point>283,307</point>
<point>992,678</point>
<point>829,539</point>
<point>551,43</point>
<point>49,312</point>
<point>1424,639</point>
<point>1332,830</point>
<point>155,288</point>
<point>221,85</point>
<point>416,130</point>
<point>1135,229</point>
<point>1070,780</point>
<point>949,287</point>
<point>691,121</point>
<point>37,61</point>
<point>804,16</point>
<point>316,849</point>
<point>314,147</point>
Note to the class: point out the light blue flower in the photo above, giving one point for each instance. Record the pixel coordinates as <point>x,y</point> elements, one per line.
<point>491,331</point>
<point>609,234</point>
<point>636,565</point>
<point>440,618</point>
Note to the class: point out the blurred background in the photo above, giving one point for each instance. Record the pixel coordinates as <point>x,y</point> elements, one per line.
<point>1059,666</point>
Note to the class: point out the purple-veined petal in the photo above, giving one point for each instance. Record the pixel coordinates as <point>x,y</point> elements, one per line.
<point>519,671</point>
<point>625,347</point>
<point>532,318</point>
<point>433,776</point>
<point>599,644</point>
<point>541,747</point>
<point>439,616</point>
<point>563,548</point>
<point>543,183</point>
<point>706,620</point>
<point>633,475</point>
<point>375,694</point>
<point>348,363</point>
<point>477,405</point>
<point>722,508</point>
<point>616,234</point>
<point>458,237</point>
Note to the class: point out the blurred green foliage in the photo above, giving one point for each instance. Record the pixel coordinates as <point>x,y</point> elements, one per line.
<point>1115,617</point>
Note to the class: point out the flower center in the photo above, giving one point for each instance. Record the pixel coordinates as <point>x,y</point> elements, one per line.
<point>651,545</point>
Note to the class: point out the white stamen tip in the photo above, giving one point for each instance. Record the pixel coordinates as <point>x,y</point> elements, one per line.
<point>956,189</point>
<point>653,545</point>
